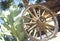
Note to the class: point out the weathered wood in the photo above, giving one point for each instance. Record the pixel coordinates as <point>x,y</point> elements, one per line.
<point>25,3</point>
<point>53,5</point>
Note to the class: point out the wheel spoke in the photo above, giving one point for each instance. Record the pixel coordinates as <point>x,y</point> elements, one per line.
<point>31,13</point>
<point>43,13</point>
<point>35,12</point>
<point>49,20</point>
<point>30,23</point>
<point>48,16</point>
<point>51,26</point>
<point>29,18</point>
<point>40,34</point>
<point>34,26</point>
<point>49,30</point>
<point>35,32</point>
<point>39,29</point>
<point>39,12</point>
<point>45,31</point>
<point>30,32</point>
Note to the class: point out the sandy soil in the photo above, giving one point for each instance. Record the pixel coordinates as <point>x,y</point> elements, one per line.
<point>57,38</point>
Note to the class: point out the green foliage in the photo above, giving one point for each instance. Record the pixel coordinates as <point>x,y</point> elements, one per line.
<point>14,13</point>
<point>9,38</point>
<point>5,4</point>
<point>0,36</point>
<point>13,25</point>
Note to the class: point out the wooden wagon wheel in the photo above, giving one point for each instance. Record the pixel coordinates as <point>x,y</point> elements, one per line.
<point>38,22</point>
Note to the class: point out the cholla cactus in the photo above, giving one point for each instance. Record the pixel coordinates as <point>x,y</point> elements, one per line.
<point>12,24</point>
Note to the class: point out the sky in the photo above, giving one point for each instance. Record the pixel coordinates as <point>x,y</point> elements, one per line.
<point>16,2</point>
<point>1,21</point>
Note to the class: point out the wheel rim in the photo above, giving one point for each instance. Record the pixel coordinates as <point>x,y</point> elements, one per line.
<point>39,22</point>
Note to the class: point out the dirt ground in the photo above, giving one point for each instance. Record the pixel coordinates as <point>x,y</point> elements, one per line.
<point>57,38</point>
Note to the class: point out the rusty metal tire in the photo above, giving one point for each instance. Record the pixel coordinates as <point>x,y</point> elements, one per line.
<point>39,22</point>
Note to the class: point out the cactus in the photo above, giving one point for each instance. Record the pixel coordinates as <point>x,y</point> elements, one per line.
<point>13,25</point>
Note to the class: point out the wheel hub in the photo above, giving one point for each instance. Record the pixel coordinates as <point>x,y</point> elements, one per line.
<point>40,22</point>
<point>42,19</point>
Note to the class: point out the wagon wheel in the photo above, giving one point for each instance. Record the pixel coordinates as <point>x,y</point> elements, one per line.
<point>38,22</point>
